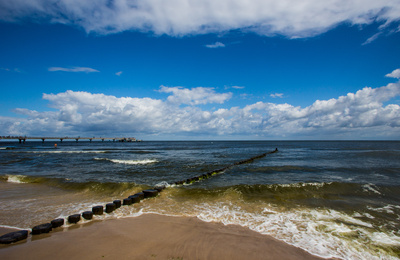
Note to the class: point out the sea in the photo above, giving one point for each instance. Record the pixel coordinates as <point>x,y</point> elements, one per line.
<point>336,199</point>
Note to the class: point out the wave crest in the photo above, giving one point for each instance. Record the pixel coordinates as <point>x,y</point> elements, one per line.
<point>130,162</point>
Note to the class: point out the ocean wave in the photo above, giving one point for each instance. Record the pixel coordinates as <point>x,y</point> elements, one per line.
<point>7,148</point>
<point>15,178</point>
<point>389,209</point>
<point>67,152</point>
<point>380,153</point>
<point>289,192</point>
<point>371,187</point>
<point>283,168</point>
<point>130,162</point>
<point>322,231</point>
<point>30,179</point>
<point>108,188</point>
<point>326,233</point>
<point>295,190</point>
<point>163,184</point>
<point>324,190</point>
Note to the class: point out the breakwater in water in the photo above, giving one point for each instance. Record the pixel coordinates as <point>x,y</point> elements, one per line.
<point>215,172</point>
<point>333,199</point>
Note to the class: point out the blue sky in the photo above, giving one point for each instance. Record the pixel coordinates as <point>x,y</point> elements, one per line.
<point>201,70</point>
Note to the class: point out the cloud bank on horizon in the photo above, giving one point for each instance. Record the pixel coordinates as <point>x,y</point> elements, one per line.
<point>293,19</point>
<point>365,114</point>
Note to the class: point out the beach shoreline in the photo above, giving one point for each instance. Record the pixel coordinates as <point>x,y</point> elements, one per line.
<point>152,236</point>
<point>332,199</point>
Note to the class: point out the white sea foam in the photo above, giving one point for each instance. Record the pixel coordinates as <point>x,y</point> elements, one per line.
<point>321,232</point>
<point>301,184</point>
<point>368,216</point>
<point>163,183</point>
<point>371,187</point>
<point>18,228</point>
<point>146,161</point>
<point>382,238</point>
<point>68,152</point>
<point>131,162</point>
<point>15,178</point>
<point>387,209</point>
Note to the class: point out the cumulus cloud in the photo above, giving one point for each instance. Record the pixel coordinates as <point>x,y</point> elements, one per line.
<point>73,69</point>
<point>290,18</point>
<point>394,74</point>
<point>118,73</point>
<point>364,114</point>
<point>215,45</point>
<point>194,96</point>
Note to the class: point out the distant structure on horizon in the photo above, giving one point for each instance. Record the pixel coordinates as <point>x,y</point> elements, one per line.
<point>22,139</point>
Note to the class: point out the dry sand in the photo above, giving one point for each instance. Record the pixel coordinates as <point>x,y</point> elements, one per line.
<point>152,237</point>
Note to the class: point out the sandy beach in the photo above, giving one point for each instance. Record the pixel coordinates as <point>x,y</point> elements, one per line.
<point>152,236</point>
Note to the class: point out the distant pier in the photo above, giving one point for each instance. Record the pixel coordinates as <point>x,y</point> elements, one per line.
<point>22,139</point>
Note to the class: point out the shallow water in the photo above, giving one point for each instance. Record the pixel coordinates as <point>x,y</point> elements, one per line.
<point>333,199</point>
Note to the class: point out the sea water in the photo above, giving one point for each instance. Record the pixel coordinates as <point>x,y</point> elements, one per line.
<point>332,198</point>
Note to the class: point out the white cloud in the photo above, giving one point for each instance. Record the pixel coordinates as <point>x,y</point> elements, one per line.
<point>195,96</point>
<point>215,45</point>
<point>118,73</point>
<point>364,114</point>
<point>291,18</point>
<point>73,69</point>
<point>238,87</point>
<point>276,95</point>
<point>394,74</point>
<point>234,87</point>
<point>372,38</point>
<point>360,115</point>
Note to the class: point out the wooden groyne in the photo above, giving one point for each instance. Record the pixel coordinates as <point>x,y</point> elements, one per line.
<point>22,139</point>
<point>16,236</point>
<point>215,172</point>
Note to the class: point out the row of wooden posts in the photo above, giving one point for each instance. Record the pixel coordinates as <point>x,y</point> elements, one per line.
<point>110,207</point>
<point>73,219</point>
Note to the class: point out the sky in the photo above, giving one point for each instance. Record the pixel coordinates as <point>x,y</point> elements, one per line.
<point>201,69</point>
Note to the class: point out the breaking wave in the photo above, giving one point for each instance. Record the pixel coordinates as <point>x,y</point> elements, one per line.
<point>130,162</point>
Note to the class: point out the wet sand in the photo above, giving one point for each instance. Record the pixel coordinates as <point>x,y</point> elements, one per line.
<point>154,237</point>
